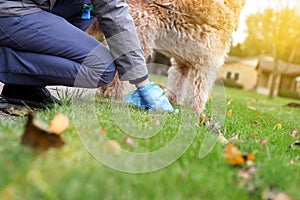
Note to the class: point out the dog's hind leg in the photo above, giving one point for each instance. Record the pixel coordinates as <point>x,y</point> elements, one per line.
<point>202,78</point>
<point>177,82</point>
<point>200,90</point>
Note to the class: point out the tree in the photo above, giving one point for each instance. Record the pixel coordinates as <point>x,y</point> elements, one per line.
<point>276,33</point>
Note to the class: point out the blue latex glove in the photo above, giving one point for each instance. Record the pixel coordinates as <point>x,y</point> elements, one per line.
<point>150,97</point>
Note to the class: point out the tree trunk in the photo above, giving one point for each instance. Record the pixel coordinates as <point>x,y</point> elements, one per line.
<point>275,74</point>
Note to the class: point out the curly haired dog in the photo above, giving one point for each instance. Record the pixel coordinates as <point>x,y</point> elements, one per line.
<point>195,34</point>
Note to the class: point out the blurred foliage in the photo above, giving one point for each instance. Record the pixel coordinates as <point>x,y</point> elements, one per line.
<point>272,32</point>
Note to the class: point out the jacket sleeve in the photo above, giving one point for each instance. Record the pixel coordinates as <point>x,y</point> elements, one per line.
<point>121,35</point>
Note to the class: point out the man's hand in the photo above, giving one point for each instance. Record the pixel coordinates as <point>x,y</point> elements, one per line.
<point>149,97</point>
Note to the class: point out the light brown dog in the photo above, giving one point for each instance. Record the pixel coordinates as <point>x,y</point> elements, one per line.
<point>195,34</point>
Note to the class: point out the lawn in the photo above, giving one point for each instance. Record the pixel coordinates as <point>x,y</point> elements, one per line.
<point>72,172</point>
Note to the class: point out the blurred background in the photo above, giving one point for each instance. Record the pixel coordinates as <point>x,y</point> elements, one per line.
<point>265,53</point>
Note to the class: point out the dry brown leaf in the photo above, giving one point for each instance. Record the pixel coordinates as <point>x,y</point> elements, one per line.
<point>229,113</point>
<point>59,123</point>
<point>38,136</point>
<point>255,135</point>
<point>235,157</point>
<point>16,110</point>
<point>277,126</point>
<point>203,120</point>
<point>256,122</point>
<point>103,131</point>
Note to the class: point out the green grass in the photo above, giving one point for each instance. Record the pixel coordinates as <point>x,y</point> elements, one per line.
<point>73,173</point>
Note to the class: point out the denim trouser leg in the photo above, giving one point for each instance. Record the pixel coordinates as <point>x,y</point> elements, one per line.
<point>44,49</point>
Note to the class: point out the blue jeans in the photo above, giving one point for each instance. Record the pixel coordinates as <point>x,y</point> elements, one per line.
<point>46,48</point>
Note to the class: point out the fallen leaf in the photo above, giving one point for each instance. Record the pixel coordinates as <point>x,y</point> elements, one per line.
<point>235,157</point>
<point>294,132</point>
<point>256,122</point>
<point>296,143</point>
<point>17,110</point>
<point>251,108</point>
<point>249,157</point>
<point>281,196</point>
<point>229,113</point>
<point>263,142</point>
<point>292,162</point>
<point>222,139</point>
<point>38,136</point>
<point>128,141</point>
<point>203,120</point>
<point>103,131</point>
<point>112,146</point>
<point>247,173</point>
<point>255,135</point>
<point>254,109</point>
<point>230,101</point>
<point>278,126</point>
<point>59,123</point>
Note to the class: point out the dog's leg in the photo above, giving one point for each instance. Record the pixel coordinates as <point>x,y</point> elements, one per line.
<point>114,89</point>
<point>202,77</point>
<point>177,82</point>
<point>200,90</point>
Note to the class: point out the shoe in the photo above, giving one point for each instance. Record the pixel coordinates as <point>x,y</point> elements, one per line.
<point>33,96</point>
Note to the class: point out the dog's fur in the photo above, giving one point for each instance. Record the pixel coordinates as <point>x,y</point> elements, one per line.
<point>195,34</point>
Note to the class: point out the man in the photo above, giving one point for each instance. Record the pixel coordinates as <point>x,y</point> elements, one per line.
<point>42,42</point>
